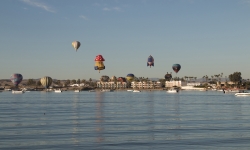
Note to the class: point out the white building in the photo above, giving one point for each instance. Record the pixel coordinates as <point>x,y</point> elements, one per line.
<point>175,83</point>
<point>111,85</point>
<point>146,85</point>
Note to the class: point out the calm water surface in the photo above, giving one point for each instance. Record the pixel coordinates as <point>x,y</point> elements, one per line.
<point>124,120</point>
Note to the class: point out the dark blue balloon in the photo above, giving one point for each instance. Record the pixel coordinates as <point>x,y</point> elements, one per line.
<point>176,67</point>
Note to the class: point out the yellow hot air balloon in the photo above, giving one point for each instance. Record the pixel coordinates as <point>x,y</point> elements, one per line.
<point>76,45</point>
<point>130,77</point>
<point>46,81</point>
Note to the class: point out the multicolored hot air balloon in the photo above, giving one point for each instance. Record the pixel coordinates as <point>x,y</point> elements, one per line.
<point>130,77</point>
<point>76,45</point>
<point>176,67</point>
<point>104,78</point>
<point>150,61</point>
<point>46,81</point>
<point>16,78</point>
<point>168,76</point>
<point>99,63</point>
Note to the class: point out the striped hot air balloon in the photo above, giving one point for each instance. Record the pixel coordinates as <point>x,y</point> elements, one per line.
<point>46,81</point>
<point>16,78</point>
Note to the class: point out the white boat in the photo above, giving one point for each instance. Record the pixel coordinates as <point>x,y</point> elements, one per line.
<point>17,92</point>
<point>136,91</point>
<point>242,93</point>
<point>58,91</point>
<point>129,90</point>
<point>107,90</point>
<point>172,90</point>
<point>77,90</point>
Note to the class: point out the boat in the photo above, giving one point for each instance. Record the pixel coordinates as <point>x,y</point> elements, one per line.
<point>136,91</point>
<point>17,92</point>
<point>91,90</point>
<point>58,91</point>
<point>77,90</point>
<point>129,90</point>
<point>107,90</point>
<point>172,90</point>
<point>242,93</point>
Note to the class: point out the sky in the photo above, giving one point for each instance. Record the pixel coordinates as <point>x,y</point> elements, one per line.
<point>206,37</point>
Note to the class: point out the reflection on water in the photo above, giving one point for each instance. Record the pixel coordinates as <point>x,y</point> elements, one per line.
<point>99,116</point>
<point>124,120</point>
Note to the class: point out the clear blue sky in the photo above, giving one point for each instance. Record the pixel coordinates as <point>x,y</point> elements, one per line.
<point>206,37</point>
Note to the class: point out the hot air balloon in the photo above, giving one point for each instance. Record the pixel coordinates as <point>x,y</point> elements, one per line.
<point>176,67</point>
<point>16,78</point>
<point>99,63</point>
<point>121,79</point>
<point>104,78</point>
<point>113,79</point>
<point>130,77</point>
<point>168,76</point>
<point>46,81</point>
<point>150,61</point>
<point>76,45</point>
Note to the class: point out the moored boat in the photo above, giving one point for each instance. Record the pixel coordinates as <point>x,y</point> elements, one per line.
<point>136,91</point>
<point>58,91</point>
<point>107,90</point>
<point>17,92</point>
<point>242,93</point>
<point>77,91</point>
<point>172,90</point>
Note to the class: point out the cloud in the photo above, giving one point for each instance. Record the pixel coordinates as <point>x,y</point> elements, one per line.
<point>83,17</point>
<point>38,4</point>
<point>112,9</point>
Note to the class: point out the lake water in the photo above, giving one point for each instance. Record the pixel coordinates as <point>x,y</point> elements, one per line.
<point>154,120</point>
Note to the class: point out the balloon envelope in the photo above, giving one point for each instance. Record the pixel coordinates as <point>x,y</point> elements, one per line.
<point>150,61</point>
<point>176,67</point>
<point>99,65</point>
<point>76,45</point>
<point>121,79</point>
<point>104,78</point>
<point>113,78</point>
<point>46,81</point>
<point>168,76</point>
<point>130,77</point>
<point>16,78</point>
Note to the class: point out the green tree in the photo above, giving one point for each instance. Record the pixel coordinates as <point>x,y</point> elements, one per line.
<point>67,82</point>
<point>78,81</point>
<point>83,81</point>
<point>38,83</point>
<point>73,81</point>
<point>235,77</point>
<point>31,82</point>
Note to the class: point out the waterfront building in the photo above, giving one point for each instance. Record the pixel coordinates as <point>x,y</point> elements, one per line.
<point>175,83</point>
<point>146,85</point>
<point>111,85</point>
